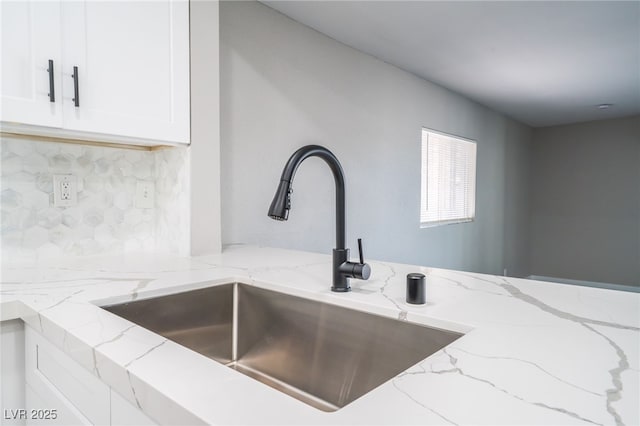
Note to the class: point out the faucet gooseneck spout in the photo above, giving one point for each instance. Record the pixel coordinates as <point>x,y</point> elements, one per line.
<point>281,204</point>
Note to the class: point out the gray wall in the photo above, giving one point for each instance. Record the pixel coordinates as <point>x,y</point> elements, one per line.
<point>585,220</point>
<point>204,152</point>
<point>284,85</point>
<point>517,218</point>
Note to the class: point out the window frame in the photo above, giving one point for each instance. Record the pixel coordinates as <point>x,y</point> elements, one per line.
<point>424,177</point>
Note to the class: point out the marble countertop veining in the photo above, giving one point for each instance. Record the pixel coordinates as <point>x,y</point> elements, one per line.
<point>533,352</point>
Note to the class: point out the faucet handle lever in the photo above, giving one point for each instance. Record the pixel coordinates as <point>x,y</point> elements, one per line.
<point>360,251</point>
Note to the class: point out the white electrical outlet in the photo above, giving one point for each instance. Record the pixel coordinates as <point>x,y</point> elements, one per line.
<point>65,190</point>
<point>145,194</point>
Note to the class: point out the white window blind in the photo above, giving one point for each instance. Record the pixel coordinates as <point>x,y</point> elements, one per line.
<point>448,179</point>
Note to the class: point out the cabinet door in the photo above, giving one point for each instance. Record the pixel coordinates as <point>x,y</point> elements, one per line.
<point>30,38</point>
<point>56,382</point>
<point>133,68</point>
<point>45,405</point>
<point>125,414</point>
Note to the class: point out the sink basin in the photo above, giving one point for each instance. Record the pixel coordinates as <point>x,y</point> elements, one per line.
<point>324,355</point>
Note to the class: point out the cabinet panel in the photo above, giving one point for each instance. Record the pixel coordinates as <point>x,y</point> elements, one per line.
<point>41,396</point>
<point>54,381</point>
<point>30,38</point>
<point>55,377</point>
<point>133,68</point>
<point>11,371</point>
<point>125,414</point>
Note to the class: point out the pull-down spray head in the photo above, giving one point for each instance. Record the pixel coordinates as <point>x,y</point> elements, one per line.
<point>281,203</point>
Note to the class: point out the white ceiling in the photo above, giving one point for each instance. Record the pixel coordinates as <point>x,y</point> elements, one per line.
<point>541,62</point>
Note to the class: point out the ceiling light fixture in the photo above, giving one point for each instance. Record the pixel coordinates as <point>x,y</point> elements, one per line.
<point>605,106</point>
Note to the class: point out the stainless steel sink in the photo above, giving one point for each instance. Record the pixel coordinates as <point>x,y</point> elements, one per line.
<point>324,355</point>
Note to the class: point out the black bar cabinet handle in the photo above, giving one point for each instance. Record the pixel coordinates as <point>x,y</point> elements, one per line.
<point>76,91</point>
<point>52,91</point>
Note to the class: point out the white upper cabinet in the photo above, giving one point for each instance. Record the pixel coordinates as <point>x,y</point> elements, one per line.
<point>123,69</point>
<point>30,42</point>
<point>133,68</point>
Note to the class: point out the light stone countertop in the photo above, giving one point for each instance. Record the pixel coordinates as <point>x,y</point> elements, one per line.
<point>533,352</point>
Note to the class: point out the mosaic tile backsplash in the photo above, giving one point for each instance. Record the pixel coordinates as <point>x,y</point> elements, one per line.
<point>105,219</point>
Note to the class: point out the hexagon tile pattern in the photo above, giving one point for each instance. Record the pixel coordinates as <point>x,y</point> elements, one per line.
<point>105,219</point>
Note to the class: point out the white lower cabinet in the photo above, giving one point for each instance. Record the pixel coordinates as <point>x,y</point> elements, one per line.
<point>12,372</point>
<point>61,392</point>
<point>125,414</point>
<point>45,405</point>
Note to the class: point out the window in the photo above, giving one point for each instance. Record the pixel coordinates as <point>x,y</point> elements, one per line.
<point>448,179</point>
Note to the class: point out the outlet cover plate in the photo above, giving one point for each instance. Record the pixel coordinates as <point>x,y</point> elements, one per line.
<point>145,194</point>
<point>65,190</point>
